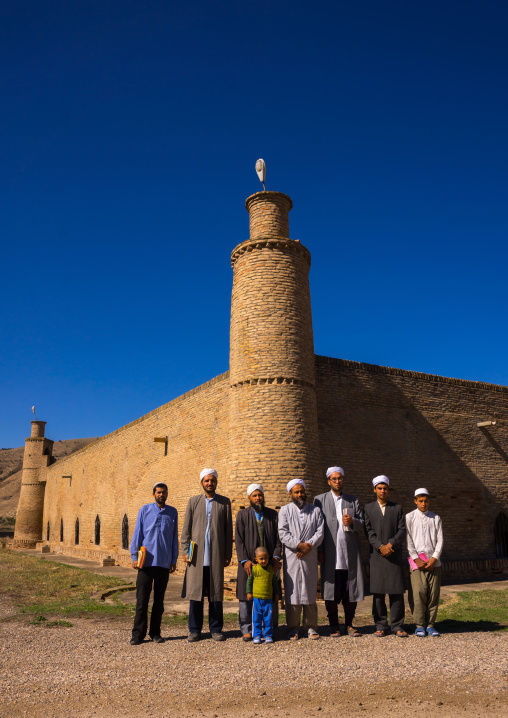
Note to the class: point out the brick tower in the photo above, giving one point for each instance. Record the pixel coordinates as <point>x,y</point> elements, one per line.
<point>274,429</point>
<point>37,456</point>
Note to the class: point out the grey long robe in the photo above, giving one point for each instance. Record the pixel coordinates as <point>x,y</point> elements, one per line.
<point>300,575</point>
<point>386,574</point>
<point>221,545</point>
<point>326,503</point>
<point>247,541</point>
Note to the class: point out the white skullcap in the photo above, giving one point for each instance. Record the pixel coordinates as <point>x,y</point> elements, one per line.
<point>380,480</point>
<point>294,482</point>
<point>419,492</point>
<point>254,487</point>
<point>205,472</point>
<point>334,470</point>
<point>159,483</point>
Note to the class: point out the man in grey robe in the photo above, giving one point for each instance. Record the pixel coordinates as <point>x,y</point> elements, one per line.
<point>339,554</point>
<point>256,526</point>
<point>385,527</point>
<point>209,525</point>
<point>301,532</point>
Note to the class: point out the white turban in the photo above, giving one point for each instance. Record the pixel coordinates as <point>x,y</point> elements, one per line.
<point>205,472</point>
<point>334,470</point>
<point>380,480</point>
<point>419,492</point>
<point>294,482</point>
<point>254,487</point>
<point>159,483</point>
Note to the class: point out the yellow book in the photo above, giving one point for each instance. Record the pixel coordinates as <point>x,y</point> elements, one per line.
<point>192,549</point>
<point>141,556</point>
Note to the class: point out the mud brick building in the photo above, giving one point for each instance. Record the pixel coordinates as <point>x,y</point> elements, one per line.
<point>283,412</point>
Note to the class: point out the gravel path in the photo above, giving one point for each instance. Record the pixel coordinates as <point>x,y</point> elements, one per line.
<point>91,670</point>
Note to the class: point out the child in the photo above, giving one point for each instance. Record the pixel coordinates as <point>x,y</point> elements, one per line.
<point>425,545</point>
<point>263,587</point>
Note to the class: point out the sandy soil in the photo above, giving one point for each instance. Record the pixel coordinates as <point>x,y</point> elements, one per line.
<point>91,670</point>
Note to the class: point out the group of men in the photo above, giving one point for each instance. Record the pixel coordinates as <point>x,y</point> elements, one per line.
<point>325,533</point>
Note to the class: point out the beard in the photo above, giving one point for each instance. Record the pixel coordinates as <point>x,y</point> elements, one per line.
<point>259,506</point>
<point>299,502</point>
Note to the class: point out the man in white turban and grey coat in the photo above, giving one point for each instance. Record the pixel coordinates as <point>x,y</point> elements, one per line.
<point>301,532</point>
<point>256,526</point>
<point>208,529</point>
<point>339,554</point>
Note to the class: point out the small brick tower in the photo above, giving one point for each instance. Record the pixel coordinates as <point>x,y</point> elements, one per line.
<point>273,429</point>
<point>38,453</point>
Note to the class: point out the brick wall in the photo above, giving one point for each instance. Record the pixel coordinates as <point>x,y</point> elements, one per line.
<point>113,476</point>
<point>419,430</point>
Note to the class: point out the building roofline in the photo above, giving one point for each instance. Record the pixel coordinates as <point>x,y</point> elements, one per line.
<point>173,402</point>
<point>377,369</point>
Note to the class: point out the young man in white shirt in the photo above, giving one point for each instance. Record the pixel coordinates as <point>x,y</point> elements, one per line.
<point>425,545</point>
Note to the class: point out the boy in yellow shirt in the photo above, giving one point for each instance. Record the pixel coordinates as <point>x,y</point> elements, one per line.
<point>263,588</point>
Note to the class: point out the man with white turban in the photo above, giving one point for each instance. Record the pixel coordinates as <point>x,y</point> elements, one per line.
<point>385,527</point>
<point>208,529</point>
<point>256,525</point>
<point>301,532</point>
<point>339,554</point>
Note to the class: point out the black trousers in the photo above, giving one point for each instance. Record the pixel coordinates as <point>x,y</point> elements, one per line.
<point>380,613</point>
<point>146,576</point>
<point>341,595</point>
<point>215,609</point>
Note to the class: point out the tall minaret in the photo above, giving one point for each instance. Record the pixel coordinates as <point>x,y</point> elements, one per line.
<point>38,453</point>
<point>273,429</point>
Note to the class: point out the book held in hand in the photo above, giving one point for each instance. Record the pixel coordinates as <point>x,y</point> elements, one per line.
<point>192,548</point>
<point>141,556</point>
<point>412,564</point>
<point>348,512</point>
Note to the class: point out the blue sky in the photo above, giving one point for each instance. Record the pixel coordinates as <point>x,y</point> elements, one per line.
<point>129,136</point>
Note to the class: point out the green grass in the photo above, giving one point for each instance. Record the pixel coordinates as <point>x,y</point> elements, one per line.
<point>7,520</point>
<point>475,611</point>
<point>45,588</point>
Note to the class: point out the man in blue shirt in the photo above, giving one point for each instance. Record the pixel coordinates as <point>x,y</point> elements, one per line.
<point>157,530</point>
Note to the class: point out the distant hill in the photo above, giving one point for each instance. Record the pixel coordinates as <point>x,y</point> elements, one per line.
<point>11,462</point>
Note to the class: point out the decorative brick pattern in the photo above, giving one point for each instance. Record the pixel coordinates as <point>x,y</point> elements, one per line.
<point>268,214</point>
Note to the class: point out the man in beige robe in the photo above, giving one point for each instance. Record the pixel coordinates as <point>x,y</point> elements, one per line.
<point>301,532</point>
<point>208,524</point>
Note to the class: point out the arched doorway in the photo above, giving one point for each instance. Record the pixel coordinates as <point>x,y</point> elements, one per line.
<point>125,532</point>
<point>501,535</point>
<point>97,530</point>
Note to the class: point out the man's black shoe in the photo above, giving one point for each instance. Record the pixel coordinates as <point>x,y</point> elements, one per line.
<point>157,639</point>
<point>193,637</point>
<point>218,637</point>
<point>135,642</point>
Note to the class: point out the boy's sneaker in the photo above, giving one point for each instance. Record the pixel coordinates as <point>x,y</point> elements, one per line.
<point>431,631</point>
<point>420,632</point>
<point>256,641</point>
<point>268,640</point>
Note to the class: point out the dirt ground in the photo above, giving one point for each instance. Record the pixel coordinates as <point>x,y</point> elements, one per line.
<point>91,670</point>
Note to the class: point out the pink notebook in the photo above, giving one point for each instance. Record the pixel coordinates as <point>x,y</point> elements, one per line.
<point>412,564</point>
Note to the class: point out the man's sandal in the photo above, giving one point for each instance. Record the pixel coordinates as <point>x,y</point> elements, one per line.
<point>420,632</point>
<point>431,631</point>
<point>352,631</point>
<point>379,634</point>
<point>401,634</point>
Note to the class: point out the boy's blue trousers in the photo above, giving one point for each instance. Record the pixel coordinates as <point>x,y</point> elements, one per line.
<point>262,614</point>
